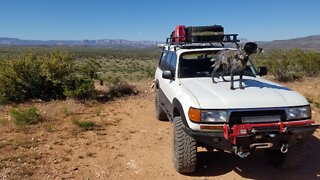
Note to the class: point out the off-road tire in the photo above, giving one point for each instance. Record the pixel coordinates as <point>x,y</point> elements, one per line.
<point>184,149</point>
<point>160,113</point>
<point>292,159</point>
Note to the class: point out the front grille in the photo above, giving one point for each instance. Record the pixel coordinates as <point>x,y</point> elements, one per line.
<point>239,117</point>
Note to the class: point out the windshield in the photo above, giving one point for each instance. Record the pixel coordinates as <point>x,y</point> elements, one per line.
<point>198,64</point>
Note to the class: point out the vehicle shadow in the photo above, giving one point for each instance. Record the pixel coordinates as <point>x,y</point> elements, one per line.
<point>254,83</point>
<point>256,166</point>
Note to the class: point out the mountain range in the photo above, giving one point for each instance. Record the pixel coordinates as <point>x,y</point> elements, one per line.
<point>111,43</point>
<point>306,43</point>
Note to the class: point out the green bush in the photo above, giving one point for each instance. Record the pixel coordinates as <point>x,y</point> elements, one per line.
<point>84,125</point>
<point>25,116</point>
<point>79,87</point>
<point>290,65</point>
<point>54,75</point>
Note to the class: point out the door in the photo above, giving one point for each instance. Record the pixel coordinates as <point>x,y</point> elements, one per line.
<point>169,87</point>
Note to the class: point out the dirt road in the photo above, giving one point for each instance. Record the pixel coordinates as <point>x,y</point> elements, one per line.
<point>139,147</point>
<point>128,143</point>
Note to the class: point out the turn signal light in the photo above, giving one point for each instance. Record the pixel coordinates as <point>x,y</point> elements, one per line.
<point>194,114</point>
<point>220,128</point>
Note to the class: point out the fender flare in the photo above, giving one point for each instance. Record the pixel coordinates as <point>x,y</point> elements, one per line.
<point>178,107</point>
<point>156,84</point>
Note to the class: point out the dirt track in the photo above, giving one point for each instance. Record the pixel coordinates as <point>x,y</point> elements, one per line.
<point>129,143</point>
<point>140,148</point>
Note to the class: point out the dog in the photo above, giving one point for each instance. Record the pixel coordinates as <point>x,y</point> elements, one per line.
<point>234,60</point>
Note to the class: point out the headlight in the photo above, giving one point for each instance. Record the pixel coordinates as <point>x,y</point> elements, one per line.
<point>207,116</point>
<point>303,112</point>
<point>214,116</point>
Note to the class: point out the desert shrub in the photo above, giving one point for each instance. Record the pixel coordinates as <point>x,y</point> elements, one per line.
<point>310,62</point>
<point>290,65</point>
<point>150,71</point>
<point>128,69</point>
<point>84,125</point>
<point>121,89</point>
<point>114,80</point>
<point>48,76</point>
<point>25,116</point>
<point>20,79</point>
<point>79,87</point>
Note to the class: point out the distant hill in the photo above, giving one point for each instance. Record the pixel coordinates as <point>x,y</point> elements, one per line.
<point>306,43</point>
<point>111,43</point>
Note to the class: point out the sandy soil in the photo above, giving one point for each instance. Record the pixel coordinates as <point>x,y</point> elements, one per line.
<point>127,143</point>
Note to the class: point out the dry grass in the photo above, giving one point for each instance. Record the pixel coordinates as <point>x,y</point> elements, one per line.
<point>4,122</point>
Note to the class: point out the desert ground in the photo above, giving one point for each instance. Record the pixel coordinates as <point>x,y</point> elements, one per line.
<point>127,142</point>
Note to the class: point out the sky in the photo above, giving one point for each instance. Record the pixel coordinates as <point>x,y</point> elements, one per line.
<point>262,20</point>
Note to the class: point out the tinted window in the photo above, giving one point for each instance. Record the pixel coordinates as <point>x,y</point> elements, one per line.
<point>162,59</point>
<point>166,61</point>
<point>196,64</point>
<point>173,63</point>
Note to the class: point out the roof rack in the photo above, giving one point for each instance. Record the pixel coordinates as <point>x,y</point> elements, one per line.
<point>203,42</point>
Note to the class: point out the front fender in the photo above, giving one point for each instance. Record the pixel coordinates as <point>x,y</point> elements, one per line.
<point>178,110</point>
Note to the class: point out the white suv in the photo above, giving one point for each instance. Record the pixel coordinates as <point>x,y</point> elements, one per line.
<point>264,115</point>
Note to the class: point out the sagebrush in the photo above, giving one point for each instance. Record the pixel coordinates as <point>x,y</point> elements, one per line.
<point>54,75</point>
<point>290,65</point>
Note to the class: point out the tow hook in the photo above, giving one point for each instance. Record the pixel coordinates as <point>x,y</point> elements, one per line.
<point>284,148</point>
<point>241,154</point>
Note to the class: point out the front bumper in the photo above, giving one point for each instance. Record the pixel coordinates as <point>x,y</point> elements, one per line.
<point>246,135</point>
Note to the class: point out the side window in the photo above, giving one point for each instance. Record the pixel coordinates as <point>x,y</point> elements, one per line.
<point>173,63</point>
<point>167,61</point>
<point>162,59</point>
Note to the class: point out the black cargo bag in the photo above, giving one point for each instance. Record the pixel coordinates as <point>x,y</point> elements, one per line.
<point>202,34</point>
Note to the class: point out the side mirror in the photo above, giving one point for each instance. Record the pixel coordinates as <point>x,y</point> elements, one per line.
<point>262,71</point>
<point>166,74</point>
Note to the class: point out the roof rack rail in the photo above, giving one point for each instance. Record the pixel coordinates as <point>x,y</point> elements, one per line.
<point>191,41</point>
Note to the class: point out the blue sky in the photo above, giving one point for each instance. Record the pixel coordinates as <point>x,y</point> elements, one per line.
<point>154,20</point>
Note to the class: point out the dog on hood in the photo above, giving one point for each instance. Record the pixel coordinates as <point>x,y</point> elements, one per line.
<point>234,60</point>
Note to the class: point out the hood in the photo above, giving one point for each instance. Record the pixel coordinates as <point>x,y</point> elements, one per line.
<point>258,93</point>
